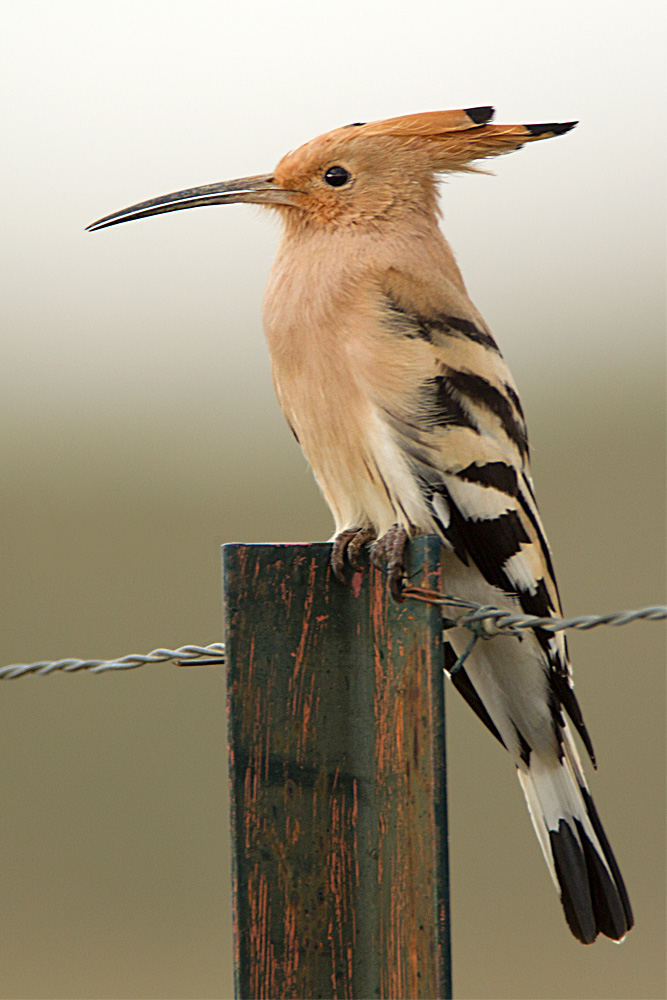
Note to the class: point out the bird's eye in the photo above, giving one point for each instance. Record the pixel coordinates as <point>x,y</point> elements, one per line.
<point>336,176</point>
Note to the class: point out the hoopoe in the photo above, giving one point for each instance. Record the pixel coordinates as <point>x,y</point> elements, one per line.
<point>397,393</point>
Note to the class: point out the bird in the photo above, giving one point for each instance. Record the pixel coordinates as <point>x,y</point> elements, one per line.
<point>399,396</point>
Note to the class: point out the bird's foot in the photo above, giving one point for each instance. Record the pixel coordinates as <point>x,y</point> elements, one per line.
<point>388,553</point>
<point>348,545</point>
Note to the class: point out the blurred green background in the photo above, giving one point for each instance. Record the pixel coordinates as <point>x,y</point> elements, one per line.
<point>138,432</point>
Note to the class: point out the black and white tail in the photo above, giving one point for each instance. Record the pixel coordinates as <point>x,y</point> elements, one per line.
<point>575,847</point>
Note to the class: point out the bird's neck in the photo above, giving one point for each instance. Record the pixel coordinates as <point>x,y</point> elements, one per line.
<point>318,272</point>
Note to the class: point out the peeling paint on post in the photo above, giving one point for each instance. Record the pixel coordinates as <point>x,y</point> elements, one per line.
<point>337,754</point>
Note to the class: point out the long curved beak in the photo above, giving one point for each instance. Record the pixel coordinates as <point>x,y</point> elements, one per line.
<point>260,190</point>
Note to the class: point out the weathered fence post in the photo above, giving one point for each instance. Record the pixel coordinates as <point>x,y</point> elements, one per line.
<point>337,754</point>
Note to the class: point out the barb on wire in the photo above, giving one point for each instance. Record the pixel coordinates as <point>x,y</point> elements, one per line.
<point>487,621</point>
<point>483,621</point>
<point>186,656</point>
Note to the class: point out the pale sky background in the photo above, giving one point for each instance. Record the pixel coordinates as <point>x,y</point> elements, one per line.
<point>104,105</point>
<point>138,431</point>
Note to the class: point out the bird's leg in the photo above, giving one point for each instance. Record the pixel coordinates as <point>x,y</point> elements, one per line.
<point>348,543</point>
<point>391,549</point>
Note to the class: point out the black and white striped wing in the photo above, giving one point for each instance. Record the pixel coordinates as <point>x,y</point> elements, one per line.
<point>466,438</point>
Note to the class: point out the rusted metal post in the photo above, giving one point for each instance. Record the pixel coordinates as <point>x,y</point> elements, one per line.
<point>337,753</point>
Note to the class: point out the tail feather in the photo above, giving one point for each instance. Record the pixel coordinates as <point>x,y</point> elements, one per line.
<point>575,847</point>
<point>609,855</point>
<point>574,883</point>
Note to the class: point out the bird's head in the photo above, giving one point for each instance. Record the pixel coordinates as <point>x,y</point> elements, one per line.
<point>362,173</point>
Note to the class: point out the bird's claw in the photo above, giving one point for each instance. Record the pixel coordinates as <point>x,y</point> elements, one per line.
<point>356,545</point>
<point>388,553</point>
<point>348,545</point>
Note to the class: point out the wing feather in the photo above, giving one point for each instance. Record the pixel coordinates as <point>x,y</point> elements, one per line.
<point>484,509</point>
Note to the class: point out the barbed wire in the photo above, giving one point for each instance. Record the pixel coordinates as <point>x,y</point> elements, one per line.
<point>483,621</point>
<point>186,656</point>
